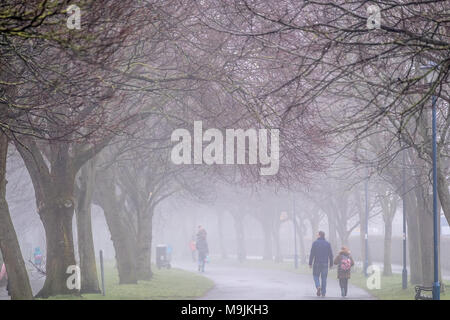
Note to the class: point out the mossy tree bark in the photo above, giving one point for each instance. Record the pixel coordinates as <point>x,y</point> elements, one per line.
<point>388,202</point>
<point>54,190</point>
<point>88,267</point>
<point>123,235</point>
<point>19,284</point>
<point>144,246</point>
<point>52,168</point>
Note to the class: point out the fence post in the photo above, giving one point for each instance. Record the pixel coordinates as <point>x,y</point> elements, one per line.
<point>102,272</point>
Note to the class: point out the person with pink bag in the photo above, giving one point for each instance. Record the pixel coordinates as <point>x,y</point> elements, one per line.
<point>345,262</point>
<point>4,274</point>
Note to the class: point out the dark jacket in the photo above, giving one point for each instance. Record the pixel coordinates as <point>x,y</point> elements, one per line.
<point>321,252</point>
<point>201,244</point>
<point>8,288</point>
<point>343,274</point>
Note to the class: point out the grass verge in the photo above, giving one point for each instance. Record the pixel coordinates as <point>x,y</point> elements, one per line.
<point>390,287</point>
<point>172,284</point>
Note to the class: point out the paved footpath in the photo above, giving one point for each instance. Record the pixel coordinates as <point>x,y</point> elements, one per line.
<point>241,283</point>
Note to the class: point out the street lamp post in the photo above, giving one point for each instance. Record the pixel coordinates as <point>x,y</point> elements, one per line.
<point>436,285</point>
<point>431,77</point>
<point>366,227</point>
<point>283,217</point>
<point>404,271</point>
<point>295,233</point>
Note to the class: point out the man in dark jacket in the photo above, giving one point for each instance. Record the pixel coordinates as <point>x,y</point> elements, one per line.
<point>319,259</point>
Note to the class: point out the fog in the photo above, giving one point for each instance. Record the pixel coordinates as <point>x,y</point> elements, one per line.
<point>242,222</point>
<point>216,150</point>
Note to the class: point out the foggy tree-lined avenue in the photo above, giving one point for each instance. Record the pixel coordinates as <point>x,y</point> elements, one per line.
<point>210,142</point>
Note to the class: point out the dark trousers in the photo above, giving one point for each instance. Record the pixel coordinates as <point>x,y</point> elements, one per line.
<point>320,272</point>
<point>343,283</point>
<point>201,261</point>
<point>7,288</point>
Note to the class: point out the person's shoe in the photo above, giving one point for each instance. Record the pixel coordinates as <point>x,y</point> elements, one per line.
<point>318,291</point>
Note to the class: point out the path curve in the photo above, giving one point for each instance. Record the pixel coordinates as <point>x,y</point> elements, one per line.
<point>242,283</point>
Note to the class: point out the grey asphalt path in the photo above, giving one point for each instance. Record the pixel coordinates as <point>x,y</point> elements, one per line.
<point>241,283</point>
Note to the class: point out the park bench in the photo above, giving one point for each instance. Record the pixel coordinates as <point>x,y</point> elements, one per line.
<point>420,296</point>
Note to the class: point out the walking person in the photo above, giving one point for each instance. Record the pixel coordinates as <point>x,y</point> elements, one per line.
<point>320,257</point>
<point>202,248</point>
<point>193,248</point>
<point>345,262</point>
<point>37,256</point>
<point>4,275</point>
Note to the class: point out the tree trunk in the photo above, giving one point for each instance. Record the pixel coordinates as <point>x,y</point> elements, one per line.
<point>300,231</point>
<point>425,235</point>
<point>57,220</point>
<point>121,234</point>
<point>362,219</point>
<point>362,238</point>
<point>268,254</point>
<point>3,281</point>
<point>426,244</point>
<point>387,269</point>
<point>343,234</point>
<point>54,192</point>
<point>88,268</point>
<point>124,247</point>
<point>314,228</point>
<point>56,209</point>
<point>443,189</point>
<point>240,239</point>
<point>19,284</point>
<point>332,233</point>
<point>223,250</point>
<point>344,239</point>
<point>276,241</point>
<point>413,240</point>
<point>144,245</point>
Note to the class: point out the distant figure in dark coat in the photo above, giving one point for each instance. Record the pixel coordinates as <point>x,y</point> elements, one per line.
<point>202,248</point>
<point>320,257</point>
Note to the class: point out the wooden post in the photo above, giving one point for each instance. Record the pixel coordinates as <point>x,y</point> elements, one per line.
<point>102,272</point>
